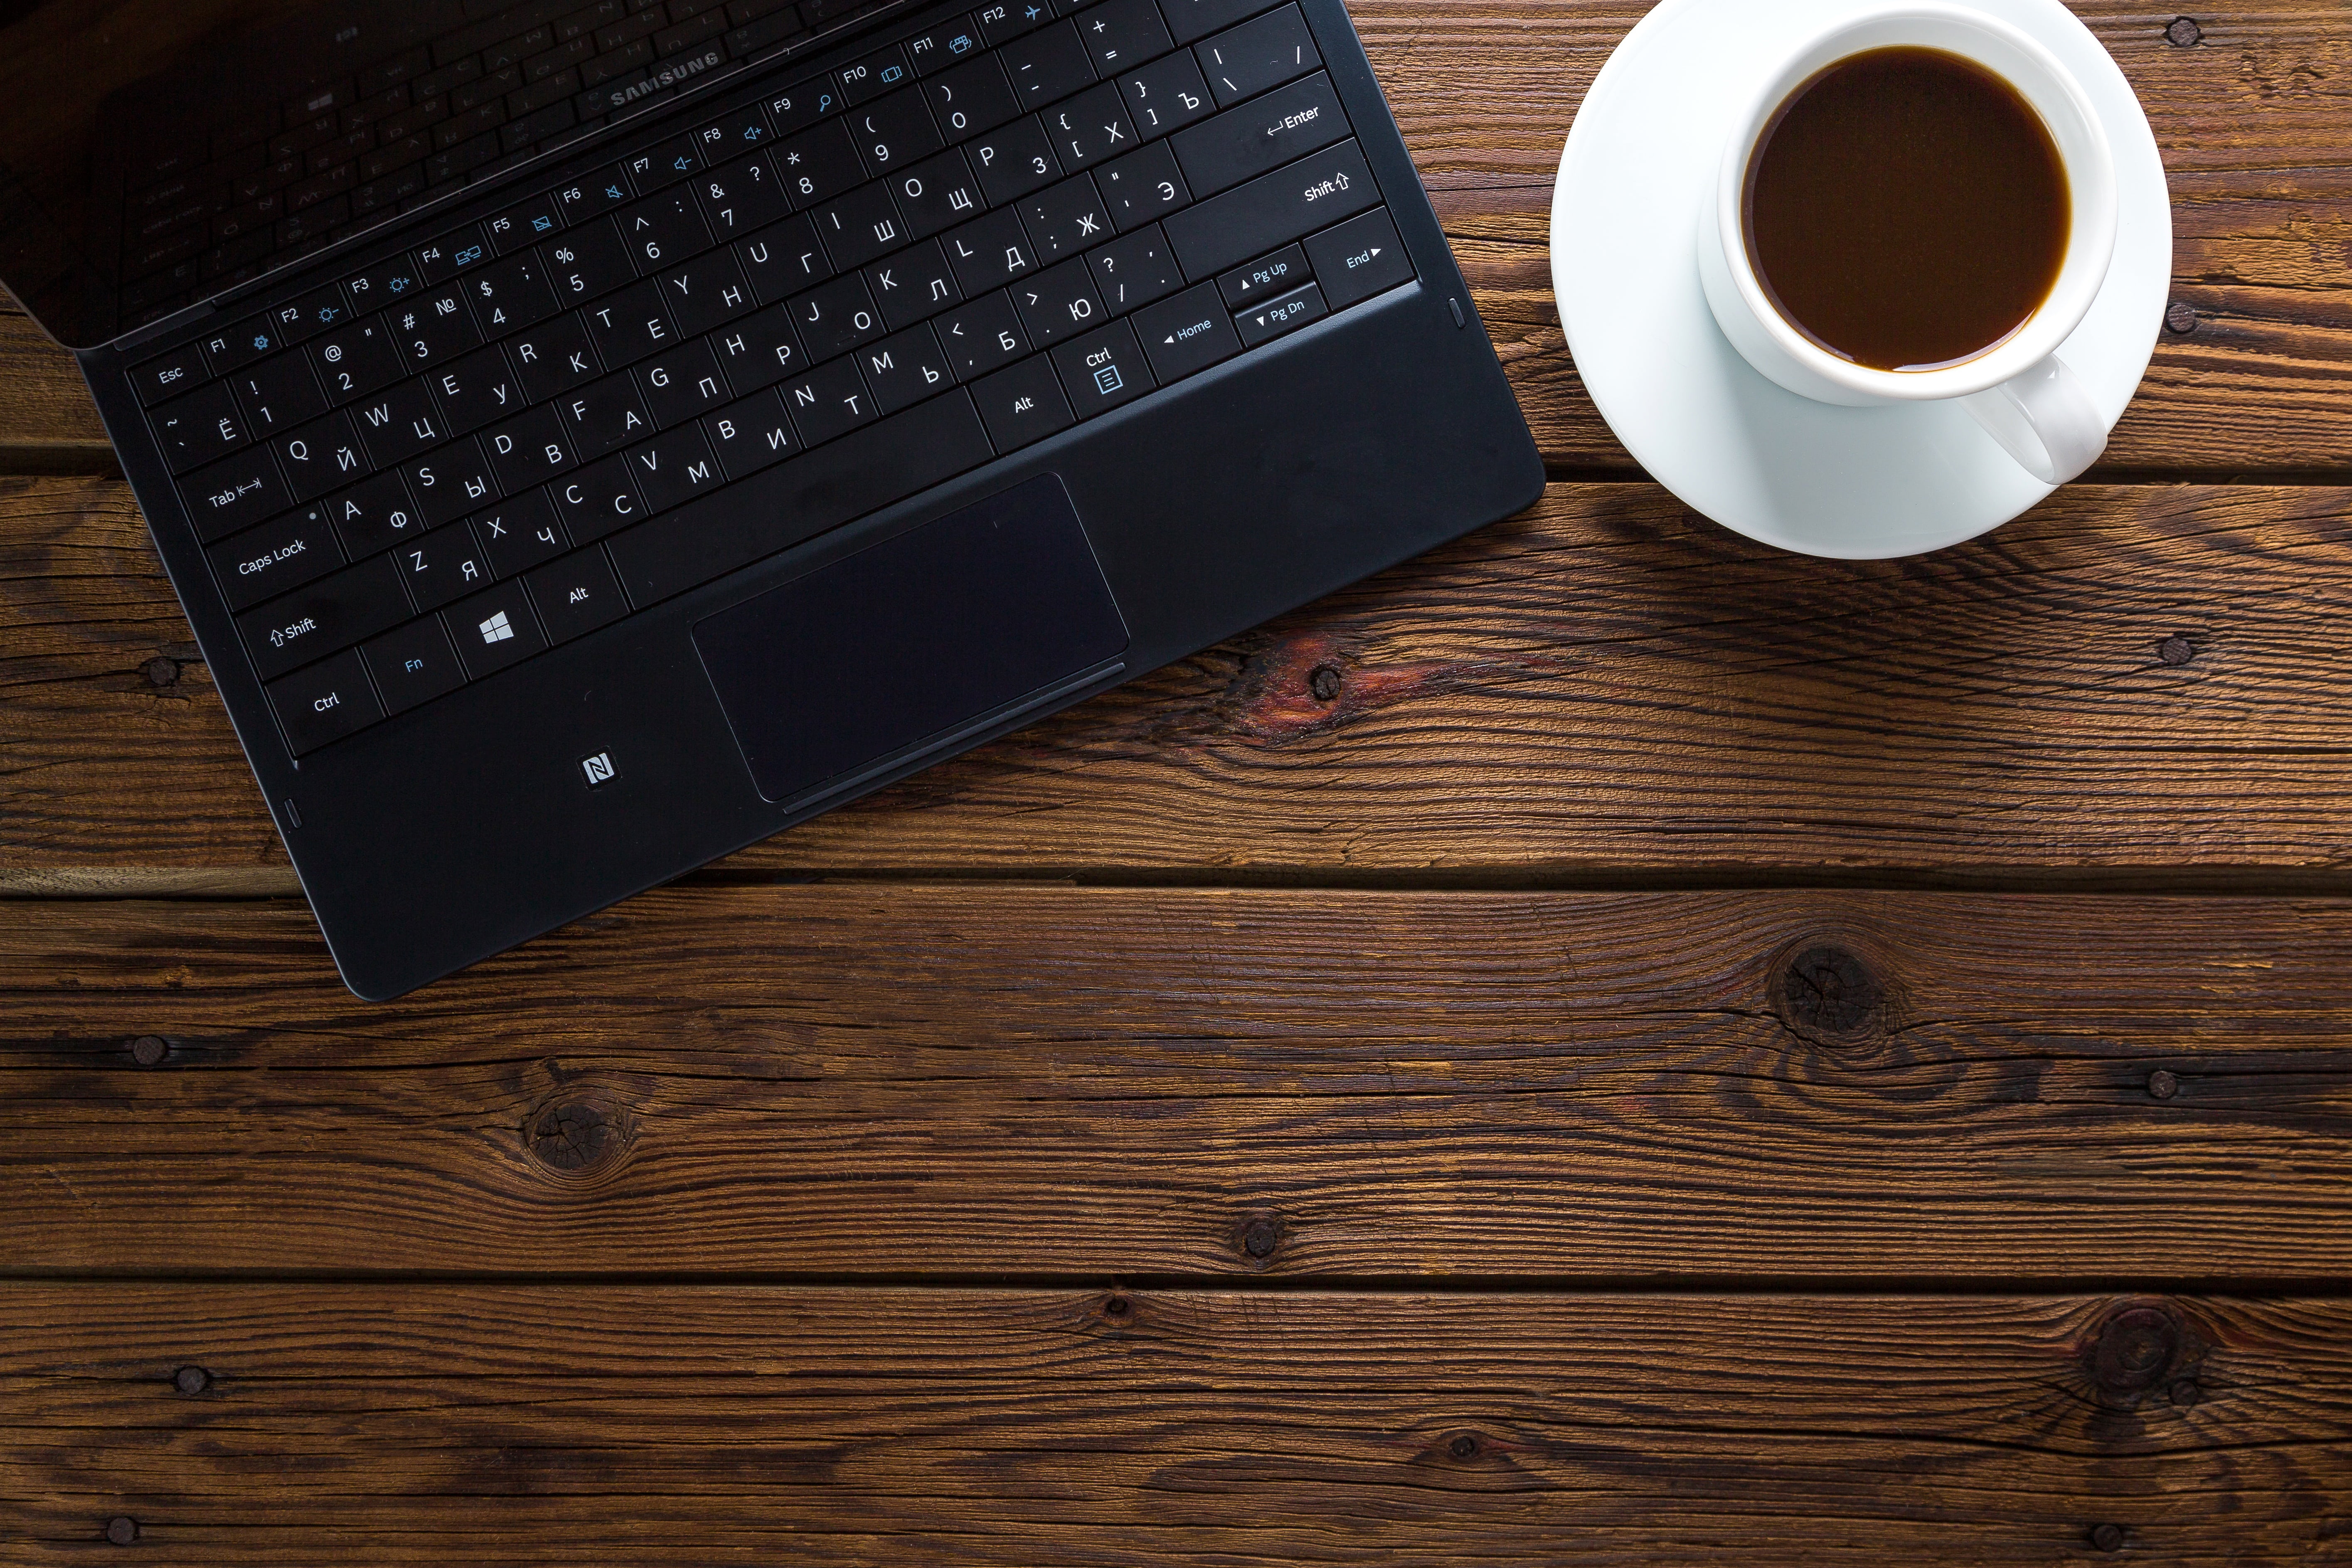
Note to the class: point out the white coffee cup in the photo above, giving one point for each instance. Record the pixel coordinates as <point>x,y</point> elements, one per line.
<point>2018,390</point>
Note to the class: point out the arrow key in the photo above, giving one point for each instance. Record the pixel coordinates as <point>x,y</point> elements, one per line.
<point>1359,258</point>
<point>1264,323</point>
<point>1186,336</point>
<point>1261,280</point>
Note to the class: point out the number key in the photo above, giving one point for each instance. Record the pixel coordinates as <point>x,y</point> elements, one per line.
<point>356,361</point>
<point>894,131</point>
<point>819,164</point>
<point>278,394</point>
<point>664,228</point>
<point>511,294</point>
<point>432,328</point>
<point>587,263</point>
<point>743,198</point>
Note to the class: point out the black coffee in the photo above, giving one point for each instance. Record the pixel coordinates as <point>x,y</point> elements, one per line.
<point>1907,209</point>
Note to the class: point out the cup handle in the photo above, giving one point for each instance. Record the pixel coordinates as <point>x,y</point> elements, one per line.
<point>2045,419</point>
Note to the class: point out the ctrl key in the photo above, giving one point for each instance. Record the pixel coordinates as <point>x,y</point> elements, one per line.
<point>324,703</point>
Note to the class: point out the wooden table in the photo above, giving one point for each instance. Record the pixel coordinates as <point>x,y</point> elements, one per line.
<point>1606,1044</point>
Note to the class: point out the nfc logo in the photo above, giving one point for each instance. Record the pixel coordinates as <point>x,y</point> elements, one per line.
<point>599,769</point>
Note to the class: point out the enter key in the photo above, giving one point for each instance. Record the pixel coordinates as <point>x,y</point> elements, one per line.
<point>1261,136</point>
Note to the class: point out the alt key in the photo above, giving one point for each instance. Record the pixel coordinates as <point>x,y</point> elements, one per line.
<point>324,703</point>
<point>577,595</point>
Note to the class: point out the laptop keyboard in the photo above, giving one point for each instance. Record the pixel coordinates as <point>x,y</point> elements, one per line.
<point>740,336</point>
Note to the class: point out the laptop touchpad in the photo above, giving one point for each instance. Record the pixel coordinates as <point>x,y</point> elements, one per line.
<point>914,639</point>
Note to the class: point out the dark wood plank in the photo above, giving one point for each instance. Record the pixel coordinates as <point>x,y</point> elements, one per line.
<point>954,1080</point>
<point>395,1424</point>
<point>2255,137</point>
<point>1608,687</point>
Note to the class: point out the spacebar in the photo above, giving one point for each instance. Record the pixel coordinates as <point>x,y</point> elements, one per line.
<point>819,490</point>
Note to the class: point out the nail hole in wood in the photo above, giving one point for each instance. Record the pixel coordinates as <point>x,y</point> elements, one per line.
<point>123,1529</point>
<point>1325,683</point>
<point>2162,1085</point>
<point>2182,32</point>
<point>2176,651</point>
<point>149,1050</point>
<point>162,673</point>
<point>192,1380</point>
<point>1260,1236</point>
<point>2180,318</point>
<point>2186,1393</point>
<point>2108,1538</point>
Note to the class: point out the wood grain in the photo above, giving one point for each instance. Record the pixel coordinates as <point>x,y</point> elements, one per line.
<point>949,1082</point>
<point>2135,681</point>
<point>392,1425</point>
<point>2252,119</point>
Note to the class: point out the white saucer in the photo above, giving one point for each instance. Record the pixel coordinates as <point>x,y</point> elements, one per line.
<point>1858,483</point>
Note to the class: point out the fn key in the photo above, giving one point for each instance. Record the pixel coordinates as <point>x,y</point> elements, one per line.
<point>325,702</point>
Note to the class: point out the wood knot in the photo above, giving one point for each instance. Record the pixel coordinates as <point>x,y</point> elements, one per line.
<point>2180,318</point>
<point>1325,684</point>
<point>192,1380</point>
<point>1463,1446</point>
<point>579,1139</point>
<point>2138,1348</point>
<point>2186,1393</point>
<point>1258,1237</point>
<point>2183,31</point>
<point>2108,1538</point>
<point>1828,991</point>
<point>149,1050</point>
<point>1117,1309</point>
<point>2176,651</point>
<point>162,673</point>
<point>123,1529</point>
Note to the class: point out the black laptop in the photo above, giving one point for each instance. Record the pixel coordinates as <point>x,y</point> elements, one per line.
<point>590,438</point>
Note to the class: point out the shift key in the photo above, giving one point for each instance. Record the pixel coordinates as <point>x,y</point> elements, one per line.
<point>1272,210</point>
<point>330,615</point>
